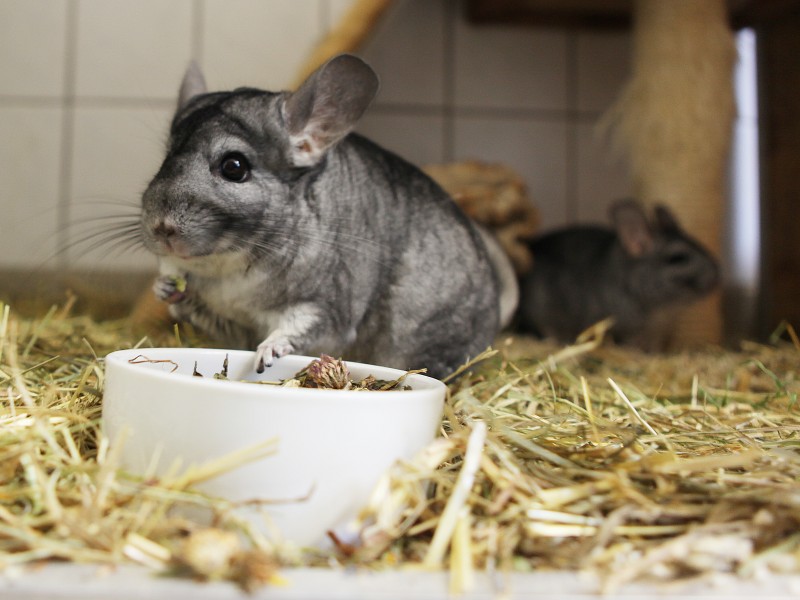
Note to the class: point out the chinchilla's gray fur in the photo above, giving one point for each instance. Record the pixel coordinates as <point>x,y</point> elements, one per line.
<point>635,273</point>
<point>329,244</point>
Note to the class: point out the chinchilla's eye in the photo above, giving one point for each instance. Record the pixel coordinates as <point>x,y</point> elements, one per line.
<point>678,258</point>
<point>235,167</point>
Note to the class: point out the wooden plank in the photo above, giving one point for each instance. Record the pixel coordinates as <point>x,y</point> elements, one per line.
<point>604,14</point>
<point>779,46</point>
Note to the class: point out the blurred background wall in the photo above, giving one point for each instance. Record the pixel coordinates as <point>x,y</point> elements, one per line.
<point>87,88</point>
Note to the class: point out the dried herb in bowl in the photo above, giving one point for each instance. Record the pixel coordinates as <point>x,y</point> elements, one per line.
<point>328,373</point>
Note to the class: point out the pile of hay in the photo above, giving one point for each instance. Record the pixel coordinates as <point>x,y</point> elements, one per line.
<point>582,458</point>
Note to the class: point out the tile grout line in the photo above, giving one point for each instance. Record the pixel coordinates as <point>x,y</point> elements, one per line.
<point>85,101</point>
<point>448,67</point>
<point>31,101</point>
<point>536,114</point>
<point>571,129</point>
<point>67,136</point>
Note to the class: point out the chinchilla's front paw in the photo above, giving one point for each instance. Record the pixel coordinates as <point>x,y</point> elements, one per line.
<point>170,288</point>
<point>271,348</point>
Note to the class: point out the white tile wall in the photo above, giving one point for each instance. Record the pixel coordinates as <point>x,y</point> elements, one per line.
<point>417,136</point>
<point>116,150</point>
<point>258,43</point>
<point>87,88</point>
<point>132,49</point>
<point>601,175</point>
<point>510,67</point>
<point>32,42</point>
<point>535,148</point>
<point>602,66</point>
<point>30,146</point>
<point>408,38</point>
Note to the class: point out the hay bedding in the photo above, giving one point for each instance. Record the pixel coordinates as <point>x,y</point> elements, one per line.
<point>585,458</point>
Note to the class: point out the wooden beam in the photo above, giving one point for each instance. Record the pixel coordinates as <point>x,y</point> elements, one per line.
<point>779,69</point>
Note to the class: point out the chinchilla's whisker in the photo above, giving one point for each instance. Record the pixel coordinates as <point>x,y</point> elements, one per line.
<point>125,245</point>
<point>106,201</point>
<point>122,245</point>
<point>334,241</point>
<point>117,229</point>
<point>109,241</point>
<point>102,233</point>
<point>87,236</point>
<point>134,219</point>
<point>102,222</point>
<point>255,247</point>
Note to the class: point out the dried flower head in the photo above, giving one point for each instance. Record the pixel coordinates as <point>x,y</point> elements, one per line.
<point>208,553</point>
<point>328,373</point>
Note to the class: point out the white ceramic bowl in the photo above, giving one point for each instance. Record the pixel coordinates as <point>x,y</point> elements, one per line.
<point>333,445</point>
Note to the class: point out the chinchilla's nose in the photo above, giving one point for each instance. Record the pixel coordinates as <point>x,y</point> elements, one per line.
<point>167,235</point>
<point>705,279</point>
<point>164,230</point>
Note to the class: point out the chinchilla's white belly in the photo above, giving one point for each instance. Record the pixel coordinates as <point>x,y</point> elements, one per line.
<point>227,287</point>
<point>235,298</point>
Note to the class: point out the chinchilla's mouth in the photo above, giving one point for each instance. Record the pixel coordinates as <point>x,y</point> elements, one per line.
<point>175,246</point>
<point>178,250</point>
<point>167,249</point>
<point>214,264</point>
<point>194,255</point>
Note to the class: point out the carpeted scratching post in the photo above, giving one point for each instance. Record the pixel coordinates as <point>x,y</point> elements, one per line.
<point>674,120</point>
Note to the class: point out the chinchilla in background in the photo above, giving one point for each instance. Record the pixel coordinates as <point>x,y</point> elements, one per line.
<point>279,230</point>
<point>639,273</point>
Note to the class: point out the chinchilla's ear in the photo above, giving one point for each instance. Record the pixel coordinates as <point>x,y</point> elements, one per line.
<point>632,228</point>
<point>193,84</point>
<point>665,221</point>
<point>327,106</point>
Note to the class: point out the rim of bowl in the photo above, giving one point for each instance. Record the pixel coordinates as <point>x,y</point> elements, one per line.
<point>121,358</point>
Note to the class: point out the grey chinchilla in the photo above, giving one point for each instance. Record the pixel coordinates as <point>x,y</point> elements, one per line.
<point>636,273</point>
<point>279,230</point>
